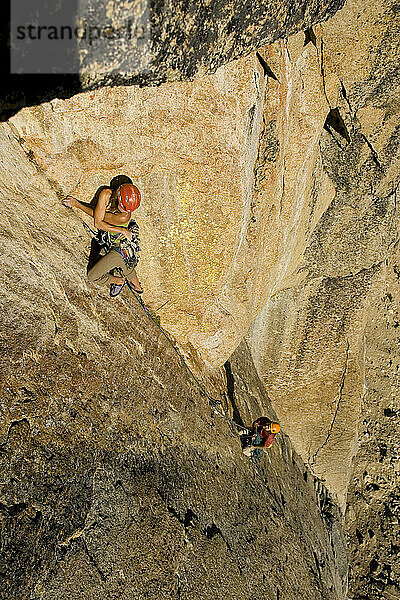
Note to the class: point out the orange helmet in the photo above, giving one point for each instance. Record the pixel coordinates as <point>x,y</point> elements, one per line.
<point>275,428</point>
<point>128,197</point>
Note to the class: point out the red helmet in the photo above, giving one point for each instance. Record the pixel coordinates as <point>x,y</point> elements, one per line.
<point>128,197</point>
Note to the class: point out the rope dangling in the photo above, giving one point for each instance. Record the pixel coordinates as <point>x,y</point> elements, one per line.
<point>212,401</point>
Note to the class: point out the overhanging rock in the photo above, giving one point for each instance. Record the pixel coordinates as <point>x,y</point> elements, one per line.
<point>143,42</point>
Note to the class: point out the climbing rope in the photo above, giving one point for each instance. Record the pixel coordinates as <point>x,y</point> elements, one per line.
<point>213,403</point>
<point>235,427</point>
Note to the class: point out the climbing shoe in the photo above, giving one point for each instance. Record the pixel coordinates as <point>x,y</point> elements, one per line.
<point>116,289</point>
<point>132,287</point>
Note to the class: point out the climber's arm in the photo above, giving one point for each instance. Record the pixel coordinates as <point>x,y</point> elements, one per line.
<point>72,202</point>
<point>101,218</point>
<point>106,221</point>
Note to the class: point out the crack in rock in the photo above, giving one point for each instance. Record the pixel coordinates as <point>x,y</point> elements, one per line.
<point>13,510</point>
<point>339,401</point>
<point>323,72</point>
<point>374,153</point>
<point>230,388</point>
<point>344,94</point>
<point>12,424</point>
<point>93,561</point>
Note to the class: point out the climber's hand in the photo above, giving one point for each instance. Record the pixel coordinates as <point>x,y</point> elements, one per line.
<point>70,201</point>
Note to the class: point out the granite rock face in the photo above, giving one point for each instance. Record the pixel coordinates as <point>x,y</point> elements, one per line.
<point>269,212</point>
<point>373,511</point>
<point>326,343</point>
<point>119,482</point>
<point>189,147</point>
<point>147,43</point>
<point>340,230</point>
<point>117,479</point>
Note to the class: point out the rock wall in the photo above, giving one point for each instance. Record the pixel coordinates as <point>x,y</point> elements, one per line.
<point>325,343</point>
<point>275,196</point>
<point>190,149</point>
<point>119,481</point>
<point>307,339</point>
<point>272,214</point>
<point>373,512</point>
<point>148,43</point>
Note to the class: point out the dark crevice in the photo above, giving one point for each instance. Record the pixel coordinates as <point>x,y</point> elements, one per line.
<point>317,563</point>
<point>230,388</point>
<point>13,424</point>
<point>335,122</point>
<point>93,562</point>
<point>344,94</point>
<point>309,36</point>
<point>187,521</point>
<point>212,530</point>
<point>388,412</point>
<point>37,518</point>
<point>266,68</point>
<point>373,566</point>
<point>359,536</point>
<point>13,510</point>
<point>189,518</point>
<point>323,71</point>
<point>373,152</point>
<point>372,487</point>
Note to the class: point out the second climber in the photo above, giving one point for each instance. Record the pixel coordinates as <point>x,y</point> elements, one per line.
<point>261,437</point>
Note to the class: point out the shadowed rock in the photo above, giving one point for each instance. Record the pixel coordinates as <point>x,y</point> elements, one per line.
<point>148,43</point>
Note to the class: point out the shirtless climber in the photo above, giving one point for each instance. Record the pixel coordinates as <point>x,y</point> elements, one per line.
<point>111,211</point>
<point>262,435</point>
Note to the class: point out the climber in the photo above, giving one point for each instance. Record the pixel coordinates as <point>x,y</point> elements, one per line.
<point>111,210</point>
<point>261,437</point>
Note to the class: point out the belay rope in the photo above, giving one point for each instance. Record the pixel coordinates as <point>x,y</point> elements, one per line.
<point>235,427</point>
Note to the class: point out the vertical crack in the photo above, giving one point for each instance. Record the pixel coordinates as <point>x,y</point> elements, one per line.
<point>323,72</point>
<point>93,561</point>
<point>344,94</point>
<point>230,388</point>
<point>339,401</point>
<point>373,152</point>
